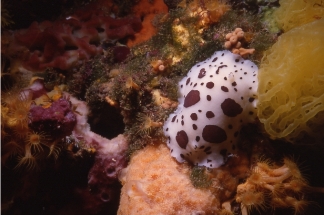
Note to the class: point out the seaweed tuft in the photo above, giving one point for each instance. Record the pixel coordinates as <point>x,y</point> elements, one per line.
<point>199,178</point>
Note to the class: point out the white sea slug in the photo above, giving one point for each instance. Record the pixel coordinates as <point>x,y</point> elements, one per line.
<point>216,98</point>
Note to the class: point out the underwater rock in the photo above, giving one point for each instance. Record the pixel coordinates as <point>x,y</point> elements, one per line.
<point>120,53</point>
<point>37,89</point>
<point>103,189</point>
<point>58,119</point>
<point>111,158</point>
<point>62,43</point>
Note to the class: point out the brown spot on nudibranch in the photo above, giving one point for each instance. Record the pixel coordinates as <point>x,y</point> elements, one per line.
<point>214,134</point>
<point>174,118</point>
<point>188,81</point>
<point>225,89</point>
<point>192,98</point>
<point>231,108</point>
<point>182,139</point>
<point>210,114</point>
<point>210,85</point>
<point>202,73</point>
<point>193,116</point>
<point>217,71</point>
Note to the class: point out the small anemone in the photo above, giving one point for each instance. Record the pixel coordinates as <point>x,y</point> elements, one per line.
<point>253,200</point>
<point>297,186</point>
<point>19,112</point>
<point>20,132</point>
<point>264,164</point>
<point>130,84</point>
<point>298,206</point>
<point>256,178</point>
<point>147,124</point>
<point>35,140</point>
<point>12,148</point>
<point>54,150</point>
<point>293,168</point>
<point>28,160</point>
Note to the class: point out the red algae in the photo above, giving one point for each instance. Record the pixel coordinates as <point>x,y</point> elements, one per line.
<point>62,43</point>
<point>147,10</point>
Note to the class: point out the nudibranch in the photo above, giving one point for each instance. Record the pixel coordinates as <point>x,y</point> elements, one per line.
<point>216,98</point>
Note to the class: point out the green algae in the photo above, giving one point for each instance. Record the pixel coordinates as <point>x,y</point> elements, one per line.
<point>199,178</point>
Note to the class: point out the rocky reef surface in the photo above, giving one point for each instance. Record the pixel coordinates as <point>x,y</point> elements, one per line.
<point>110,107</point>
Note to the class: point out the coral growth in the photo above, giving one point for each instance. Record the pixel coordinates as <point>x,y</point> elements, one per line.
<point>18,113</point>
<point>234,42</point>
<point>32,132</point>
<point>162,101</point>
<point>208,11</point>
<point>273,186</point>
<point>6,17</point>
<point>291,85</point>
<point>62,43</point>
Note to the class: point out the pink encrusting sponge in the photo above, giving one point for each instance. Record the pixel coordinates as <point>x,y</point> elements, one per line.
<point>216,98</point>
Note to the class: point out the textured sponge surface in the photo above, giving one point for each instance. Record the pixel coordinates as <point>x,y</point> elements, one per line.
<point>294,13</point>
<point>291,84</point>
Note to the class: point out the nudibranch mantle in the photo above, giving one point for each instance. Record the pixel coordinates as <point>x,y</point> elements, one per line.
<point>216,98</point>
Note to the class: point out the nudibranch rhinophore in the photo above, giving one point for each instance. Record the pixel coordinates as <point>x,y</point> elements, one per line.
<point>216,98</point>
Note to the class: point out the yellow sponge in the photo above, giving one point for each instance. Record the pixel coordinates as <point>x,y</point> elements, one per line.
<point>294,13</point>
<point>291,84</point>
